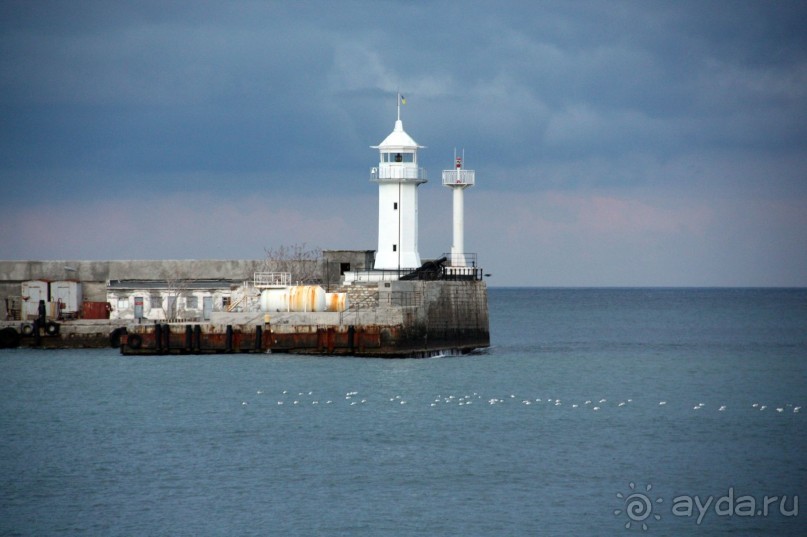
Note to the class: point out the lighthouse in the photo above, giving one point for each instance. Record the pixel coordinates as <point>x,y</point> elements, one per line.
<point>398,177</point>
<point>458,180</point>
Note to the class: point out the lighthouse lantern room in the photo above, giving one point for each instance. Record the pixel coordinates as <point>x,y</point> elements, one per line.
<point>398,177</point>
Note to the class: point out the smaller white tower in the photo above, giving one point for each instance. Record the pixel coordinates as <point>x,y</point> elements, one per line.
<point>458,180</point>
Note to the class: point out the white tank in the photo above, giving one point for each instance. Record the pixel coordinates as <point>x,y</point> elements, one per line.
<point>275,300</point>
<point>298,298</point>
<point>336,301</point>
<point>307,298</point>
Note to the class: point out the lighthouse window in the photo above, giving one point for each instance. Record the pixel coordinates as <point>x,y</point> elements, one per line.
<point>395,205</point>
<point>397,157</point>
<point>394,247</point>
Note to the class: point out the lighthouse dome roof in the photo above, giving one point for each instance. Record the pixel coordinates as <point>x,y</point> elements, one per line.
<point>398,139</point>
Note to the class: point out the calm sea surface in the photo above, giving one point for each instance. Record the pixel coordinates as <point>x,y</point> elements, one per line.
<point>595,409</point>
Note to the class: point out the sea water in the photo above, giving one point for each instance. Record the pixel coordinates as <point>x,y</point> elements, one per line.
<point>594,412</point>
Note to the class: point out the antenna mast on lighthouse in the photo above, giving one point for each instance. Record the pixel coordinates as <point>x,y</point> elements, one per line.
<point>458,180</point>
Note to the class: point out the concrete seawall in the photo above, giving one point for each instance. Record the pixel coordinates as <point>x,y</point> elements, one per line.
<point>408,319</point>
<point>392,318</point>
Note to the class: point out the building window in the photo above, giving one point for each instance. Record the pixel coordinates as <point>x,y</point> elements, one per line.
<point>123,304</point>
<point>344,267</point>
<point>394,205</point>
<point>394,247</point>
<point>192,302</point>
<point>156,301</point>
<point>225,301</point>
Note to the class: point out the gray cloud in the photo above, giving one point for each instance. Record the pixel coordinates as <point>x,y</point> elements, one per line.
<point>697,103</point>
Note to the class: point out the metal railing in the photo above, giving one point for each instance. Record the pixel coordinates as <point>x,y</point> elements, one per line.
<point>371,276</point>
<point>367,303</point>
<point>462,273</point>
<point>272,279</point>
<point>461,259</point>
<point>462,266</point>
<point>456,271</point>
<point>232,305</point>
<point>459,177</point>
<point>398,173</point>
<point>368,306</point>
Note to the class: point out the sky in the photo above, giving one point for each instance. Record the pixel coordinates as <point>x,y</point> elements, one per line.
<point>615,143</point>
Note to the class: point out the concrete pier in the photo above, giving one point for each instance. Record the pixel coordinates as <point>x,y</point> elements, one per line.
<point>386,318</point>
<point>398,319</point>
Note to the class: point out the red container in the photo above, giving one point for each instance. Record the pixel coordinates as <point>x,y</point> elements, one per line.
<point>95,310</point>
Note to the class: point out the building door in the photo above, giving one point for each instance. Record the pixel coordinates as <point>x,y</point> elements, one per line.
<point>172,307</point>
<point>207,307</point>
<point>60,292</point>
<point>138,307</point>
<point>34,291</point>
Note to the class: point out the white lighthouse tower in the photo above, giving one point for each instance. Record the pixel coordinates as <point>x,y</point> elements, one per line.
<point>398,177</point>
<point>458,180</point>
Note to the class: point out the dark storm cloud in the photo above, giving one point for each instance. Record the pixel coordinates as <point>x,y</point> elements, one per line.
<point>667,109</point>
<point>162,92</point>
<point>243,86</point>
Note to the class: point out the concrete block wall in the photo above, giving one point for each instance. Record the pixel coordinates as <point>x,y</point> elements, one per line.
<point>333,261</point>
<point>94,275</point>
<point>448,311</point>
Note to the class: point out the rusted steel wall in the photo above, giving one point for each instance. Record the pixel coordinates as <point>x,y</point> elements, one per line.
<point>73,334</point>
<point>183,338</point>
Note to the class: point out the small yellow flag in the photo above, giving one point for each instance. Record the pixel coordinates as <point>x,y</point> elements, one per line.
<point>403,99</point>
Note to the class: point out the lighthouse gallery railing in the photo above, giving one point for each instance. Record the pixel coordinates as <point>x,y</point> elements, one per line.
<point>396,173</point>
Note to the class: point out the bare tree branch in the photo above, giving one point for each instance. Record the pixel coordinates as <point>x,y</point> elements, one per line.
<point>302,263</point>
